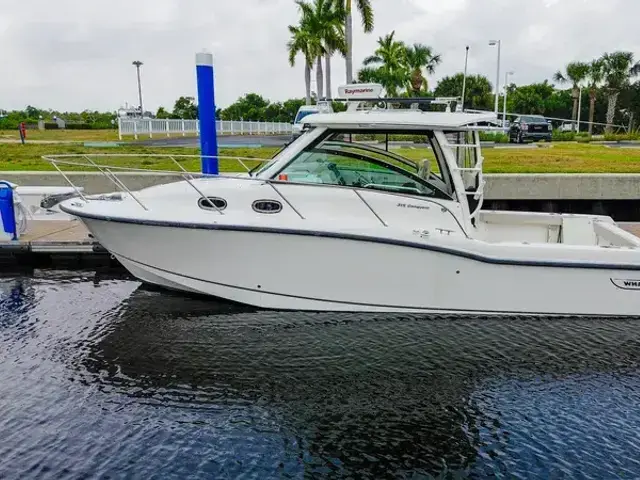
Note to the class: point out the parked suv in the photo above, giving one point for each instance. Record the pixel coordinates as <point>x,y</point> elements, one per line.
<point>529,127</point>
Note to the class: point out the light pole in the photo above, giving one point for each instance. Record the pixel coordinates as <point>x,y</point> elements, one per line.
<point>138,64</point>
<point>464,78</point>
<point>504,107</point>
<point>499,43</point>
<point>579,108</point>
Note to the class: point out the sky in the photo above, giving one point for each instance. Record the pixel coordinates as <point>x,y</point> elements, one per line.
<point>72,55</point>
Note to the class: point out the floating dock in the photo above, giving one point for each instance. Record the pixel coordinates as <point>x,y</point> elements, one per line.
<point>55,243</point>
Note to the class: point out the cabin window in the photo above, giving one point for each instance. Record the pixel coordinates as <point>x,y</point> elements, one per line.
<point>267,206</point>
<point>388,161</point>
<point>212,203</point>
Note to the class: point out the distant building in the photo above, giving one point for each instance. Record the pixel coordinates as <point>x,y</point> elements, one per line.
<point>133,112</point>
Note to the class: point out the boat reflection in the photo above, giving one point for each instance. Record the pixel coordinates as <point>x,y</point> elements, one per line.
<point>364,393</point>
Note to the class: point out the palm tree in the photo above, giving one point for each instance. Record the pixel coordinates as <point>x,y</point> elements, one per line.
<point>333,35</point>
<point>576,72</point>
<point>302,42</point>
<point>596,75</point>
<point>366,12</point>
<point>369,75</point>
<point>312,22</point>
<point>618,68</point>
<point>419,57</point>
<point>391,60</point>
<point>324,21</point>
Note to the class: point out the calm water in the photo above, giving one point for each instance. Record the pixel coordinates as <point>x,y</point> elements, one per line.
<point>101,378</point>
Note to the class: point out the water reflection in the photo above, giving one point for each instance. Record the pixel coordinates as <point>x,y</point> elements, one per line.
<point>371,396</point>
<point>102,378</point>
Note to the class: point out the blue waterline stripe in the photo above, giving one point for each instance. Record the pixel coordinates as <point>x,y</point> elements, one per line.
<point>360,238</point>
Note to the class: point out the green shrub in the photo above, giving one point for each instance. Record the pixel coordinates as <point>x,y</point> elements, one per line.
<point>494,137</point>
<point>617,137</point>
<point>558,136</point>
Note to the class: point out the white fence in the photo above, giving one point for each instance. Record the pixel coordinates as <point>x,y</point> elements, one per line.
<point>161,127</point>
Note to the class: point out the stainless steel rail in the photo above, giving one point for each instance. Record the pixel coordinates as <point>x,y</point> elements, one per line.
<point>189,177</point>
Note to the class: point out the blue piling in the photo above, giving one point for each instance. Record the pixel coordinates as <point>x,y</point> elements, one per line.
<point>207,113</point>
<point>7,210</point>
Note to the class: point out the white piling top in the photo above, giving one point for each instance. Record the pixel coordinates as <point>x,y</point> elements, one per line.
<point>204,58</point>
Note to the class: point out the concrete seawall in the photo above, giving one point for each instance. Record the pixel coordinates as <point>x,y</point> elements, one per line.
<point>498,186</point>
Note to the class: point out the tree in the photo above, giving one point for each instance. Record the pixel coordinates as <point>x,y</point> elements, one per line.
<point>630,97</point>
<point>185,107</point>
<point>162,113</point>
<point>390,58</point>
<point>576,72</point>
<point>366,12</point>
<point>250,107</point>
<point>33,112</point>
<point>596,76</point>
<point>541,99</point>
<point>419,57</point>
<point>325,18</point>
<point>618,68</point>
<point>290,109</point>
<point>316,20</point>
<point>478,94</point>
<point>369,75</point>
<point>301,42</point>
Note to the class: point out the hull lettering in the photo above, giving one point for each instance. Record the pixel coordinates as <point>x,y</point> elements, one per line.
<point>626,284</point>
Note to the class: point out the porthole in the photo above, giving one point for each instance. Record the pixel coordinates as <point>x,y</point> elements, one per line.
<point>267,206</point>
<point>218,203</point>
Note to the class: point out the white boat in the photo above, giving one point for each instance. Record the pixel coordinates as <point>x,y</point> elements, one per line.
<point>333,224</point>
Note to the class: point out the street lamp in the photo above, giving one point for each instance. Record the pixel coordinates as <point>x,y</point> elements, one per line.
<point>138,64</point>
<point>579,109</point>
<point>499,44</point>
<point>464,78</point>
<point>504,107</point>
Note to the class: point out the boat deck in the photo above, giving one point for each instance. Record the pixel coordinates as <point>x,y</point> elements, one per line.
<point>67,243</point>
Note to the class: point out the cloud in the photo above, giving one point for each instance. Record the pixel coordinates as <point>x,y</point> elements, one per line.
<point>74,55</point>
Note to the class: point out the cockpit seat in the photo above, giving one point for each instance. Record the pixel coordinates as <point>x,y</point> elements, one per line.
<point>424,168</point>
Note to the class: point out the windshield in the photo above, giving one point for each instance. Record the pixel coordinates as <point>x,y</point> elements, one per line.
<point>302,114</point>
<point>337,159</point>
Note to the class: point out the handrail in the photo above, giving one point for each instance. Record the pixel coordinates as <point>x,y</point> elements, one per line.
<point>53,159</point>
<point>202,195</point>
<point>115,180</point>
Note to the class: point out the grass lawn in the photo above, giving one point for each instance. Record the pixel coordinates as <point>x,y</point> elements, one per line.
<point>29,157</point>
<point>65,135</point>
<point>561,157</point>
<point>557,158</point>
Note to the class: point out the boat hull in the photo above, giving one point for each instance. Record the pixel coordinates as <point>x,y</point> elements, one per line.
<point>294,271</point>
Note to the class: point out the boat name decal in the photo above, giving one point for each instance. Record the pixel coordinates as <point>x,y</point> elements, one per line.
<point>409,205</point>
<point>626,284</point>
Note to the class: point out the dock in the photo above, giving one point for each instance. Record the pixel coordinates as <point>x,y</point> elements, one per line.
<point>55,243</point>
<point>68,244</point>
